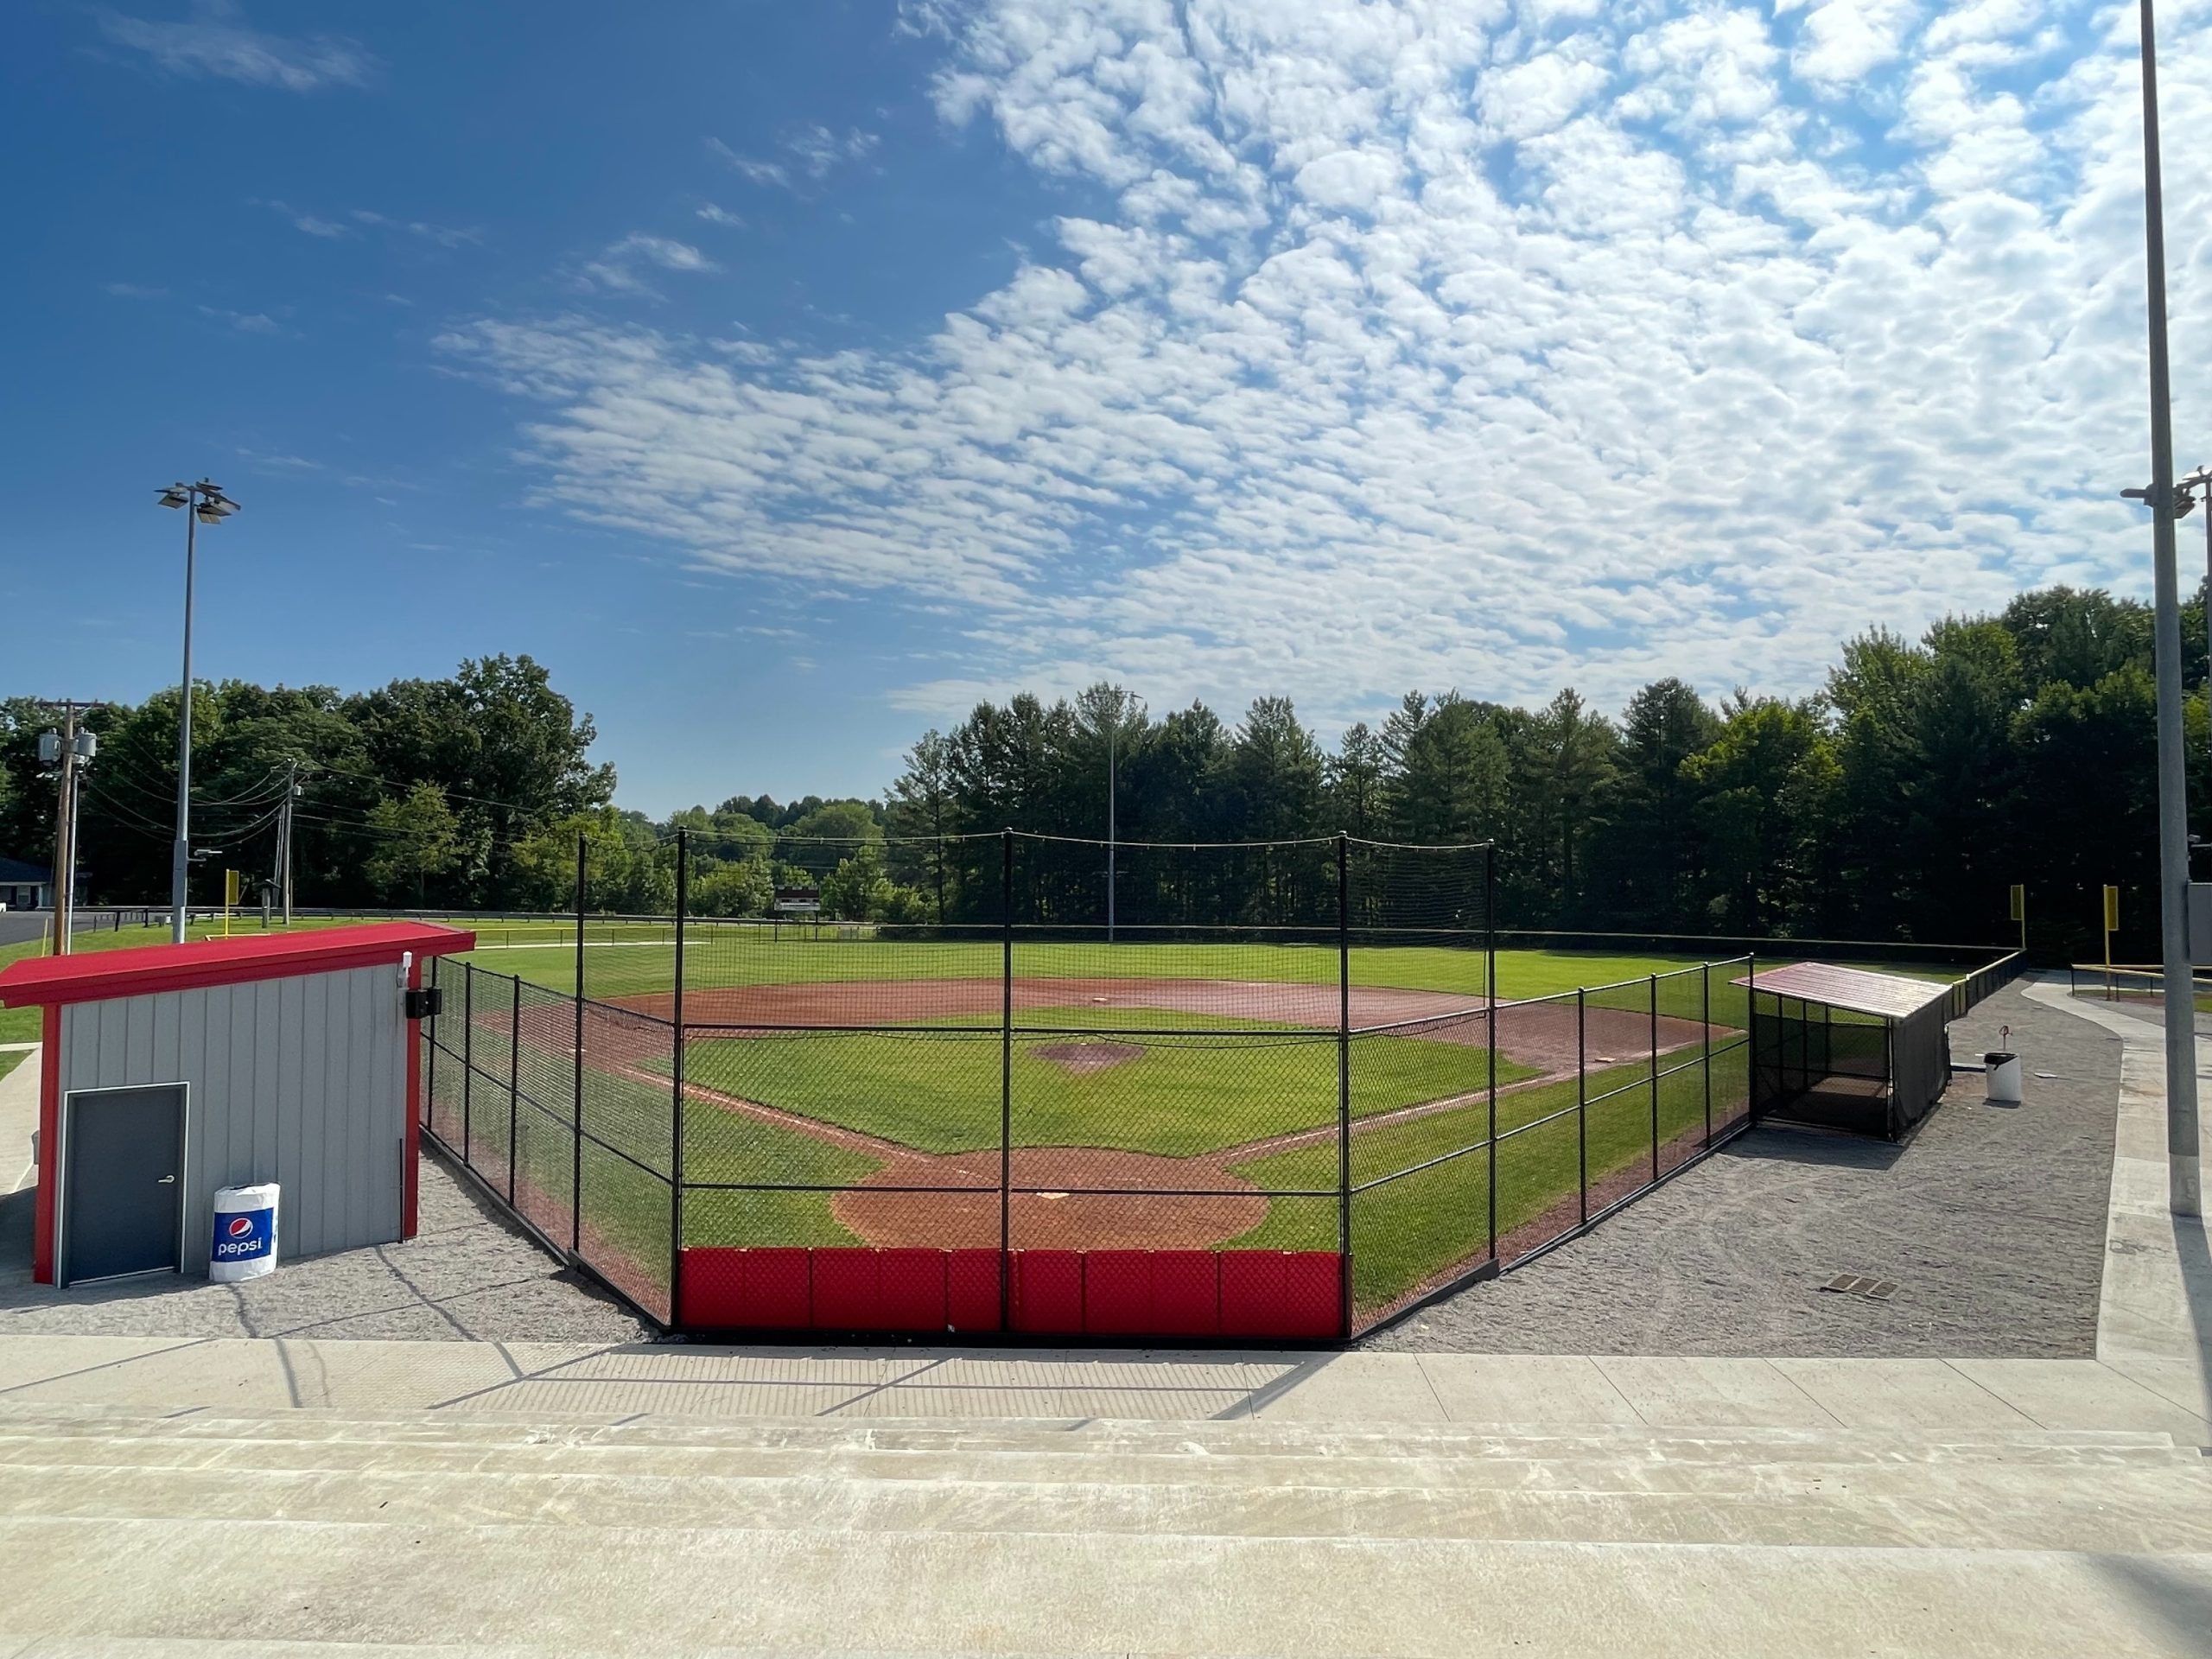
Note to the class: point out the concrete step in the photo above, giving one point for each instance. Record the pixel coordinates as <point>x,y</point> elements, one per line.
<point>131,1533</point>
<point>2034,1490</point>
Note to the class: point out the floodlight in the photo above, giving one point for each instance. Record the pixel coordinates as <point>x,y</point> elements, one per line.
<point>208,515</point>
<point>2183,502</point>
<point>175,497</point>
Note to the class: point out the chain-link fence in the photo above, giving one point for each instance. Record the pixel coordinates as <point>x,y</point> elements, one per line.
<point>1258,1090</point>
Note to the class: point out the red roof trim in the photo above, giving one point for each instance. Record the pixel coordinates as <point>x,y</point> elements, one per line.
<point>97,975</point>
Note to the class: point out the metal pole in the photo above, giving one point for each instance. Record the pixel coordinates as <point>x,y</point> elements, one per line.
<point>514,1085</point>
<point>2184,1194</point>
<point>676,1126</point>
<point>1705,1037</point>
<point>65,833</point>
<point>576,1118</point>
<point>1343,1079</point>
<point>1113,739</point>
<point>1655,1076</point>
<point>467,1056</point>
<point>1005,1080</point>
<point>291,795</point>
<point>180,853</point>
<point>1490,993</point>
<point>1582,1100</point>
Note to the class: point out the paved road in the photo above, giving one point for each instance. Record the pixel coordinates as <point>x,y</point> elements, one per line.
<point>18,925</point>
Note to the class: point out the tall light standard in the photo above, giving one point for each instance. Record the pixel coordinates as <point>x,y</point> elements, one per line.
<point>1112,743</point>
<point>2184,1195</point>
<point>209,506</point>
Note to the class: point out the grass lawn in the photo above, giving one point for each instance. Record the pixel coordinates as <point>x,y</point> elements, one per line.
<point>1417,1225</point>
<point>938,1091</point>
<point>636,968</point>
<point>9,1062</point>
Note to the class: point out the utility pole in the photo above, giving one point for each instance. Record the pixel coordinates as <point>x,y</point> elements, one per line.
<point>2185,1193</point>
<point>284,838</point>
<point>69,746</point>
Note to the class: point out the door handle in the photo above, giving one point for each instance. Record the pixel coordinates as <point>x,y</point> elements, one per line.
<point>165,1180</point>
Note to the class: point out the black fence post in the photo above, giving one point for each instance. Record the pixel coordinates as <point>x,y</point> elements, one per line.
<point>1705,1036</point>
<point>430,1039</point>
<point>1344,1078</point>
<point>1490,995</point>
<point>1006,1081</point>
<point>1655,1076</point>
<point>514,1086</point>
<point>467,1054</point>
<point>1582,1100</point>
<point>1752,1038</point>
<point>577,1117</point>
<point>675,1071</point>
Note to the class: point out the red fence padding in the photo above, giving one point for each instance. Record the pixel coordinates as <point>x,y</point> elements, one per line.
<point>912,1294</point>
<point>1281,1293</point>
<point>972,1279</point>
<point>777,1293</point>
<point>1264,1293</point>
<point>1117,1292</point>
<point>1186,1293</point>
<point>1047,1290</point>
<point>714,1286</point>
<point>848,1290</point>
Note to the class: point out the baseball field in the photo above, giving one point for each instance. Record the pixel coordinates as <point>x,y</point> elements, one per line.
<point>840,1088</point>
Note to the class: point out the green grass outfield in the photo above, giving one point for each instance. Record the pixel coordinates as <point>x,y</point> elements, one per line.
<point>618,968</point>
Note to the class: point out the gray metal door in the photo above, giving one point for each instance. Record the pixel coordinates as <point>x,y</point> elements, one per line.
<point>124,1185</point>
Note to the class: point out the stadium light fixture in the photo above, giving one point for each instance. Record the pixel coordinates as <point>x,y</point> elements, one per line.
<point>209,506</point>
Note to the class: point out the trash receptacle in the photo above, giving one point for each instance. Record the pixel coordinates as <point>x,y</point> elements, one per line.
<point>2002,1077</point>
<point>244,1245</point>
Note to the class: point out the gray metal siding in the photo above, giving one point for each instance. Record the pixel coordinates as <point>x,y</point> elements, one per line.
<point>300,1081</point>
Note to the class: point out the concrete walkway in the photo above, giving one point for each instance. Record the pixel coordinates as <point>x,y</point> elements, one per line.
<point>159,1496</point>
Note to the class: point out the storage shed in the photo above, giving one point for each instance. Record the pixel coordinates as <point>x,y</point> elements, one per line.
<point>1844,1048</point>
<point>171,1071</point>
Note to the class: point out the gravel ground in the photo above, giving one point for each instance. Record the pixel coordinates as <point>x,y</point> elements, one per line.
<point>466,1277</point>
<point>1990,1220</point>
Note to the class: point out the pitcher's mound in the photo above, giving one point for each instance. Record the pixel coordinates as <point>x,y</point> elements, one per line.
<point>1065,1211</point>
<point>1088,1057</point>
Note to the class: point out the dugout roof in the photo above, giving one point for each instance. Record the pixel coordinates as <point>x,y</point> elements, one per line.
<point>1889,996</point>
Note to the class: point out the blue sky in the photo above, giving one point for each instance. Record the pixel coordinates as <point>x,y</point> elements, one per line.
<point>788,376</point>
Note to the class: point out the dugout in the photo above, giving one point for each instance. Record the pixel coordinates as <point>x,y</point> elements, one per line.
<point>1844,1048</point>
<point>170,1070</point>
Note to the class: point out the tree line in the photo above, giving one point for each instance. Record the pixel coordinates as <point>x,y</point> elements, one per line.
<point>1900,801</point>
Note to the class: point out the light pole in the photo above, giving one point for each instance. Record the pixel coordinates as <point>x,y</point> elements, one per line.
<point>2184,1195</point>
<point>208,506</point>
<point>1113,742</point>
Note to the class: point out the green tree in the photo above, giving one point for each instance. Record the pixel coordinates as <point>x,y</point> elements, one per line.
<point>415,836</point>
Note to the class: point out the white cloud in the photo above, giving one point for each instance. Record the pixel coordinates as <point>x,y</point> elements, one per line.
<point>244,323</point>
<point>1406,346</point>
<point>444,235</point>
<point>218,42</point>
<point>1843,39</point>
<point>810,152</point>
<point>722,216</point>
<point>618,268</point>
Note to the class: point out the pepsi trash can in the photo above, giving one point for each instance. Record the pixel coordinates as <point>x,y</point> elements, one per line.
<point>244,1245</point>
